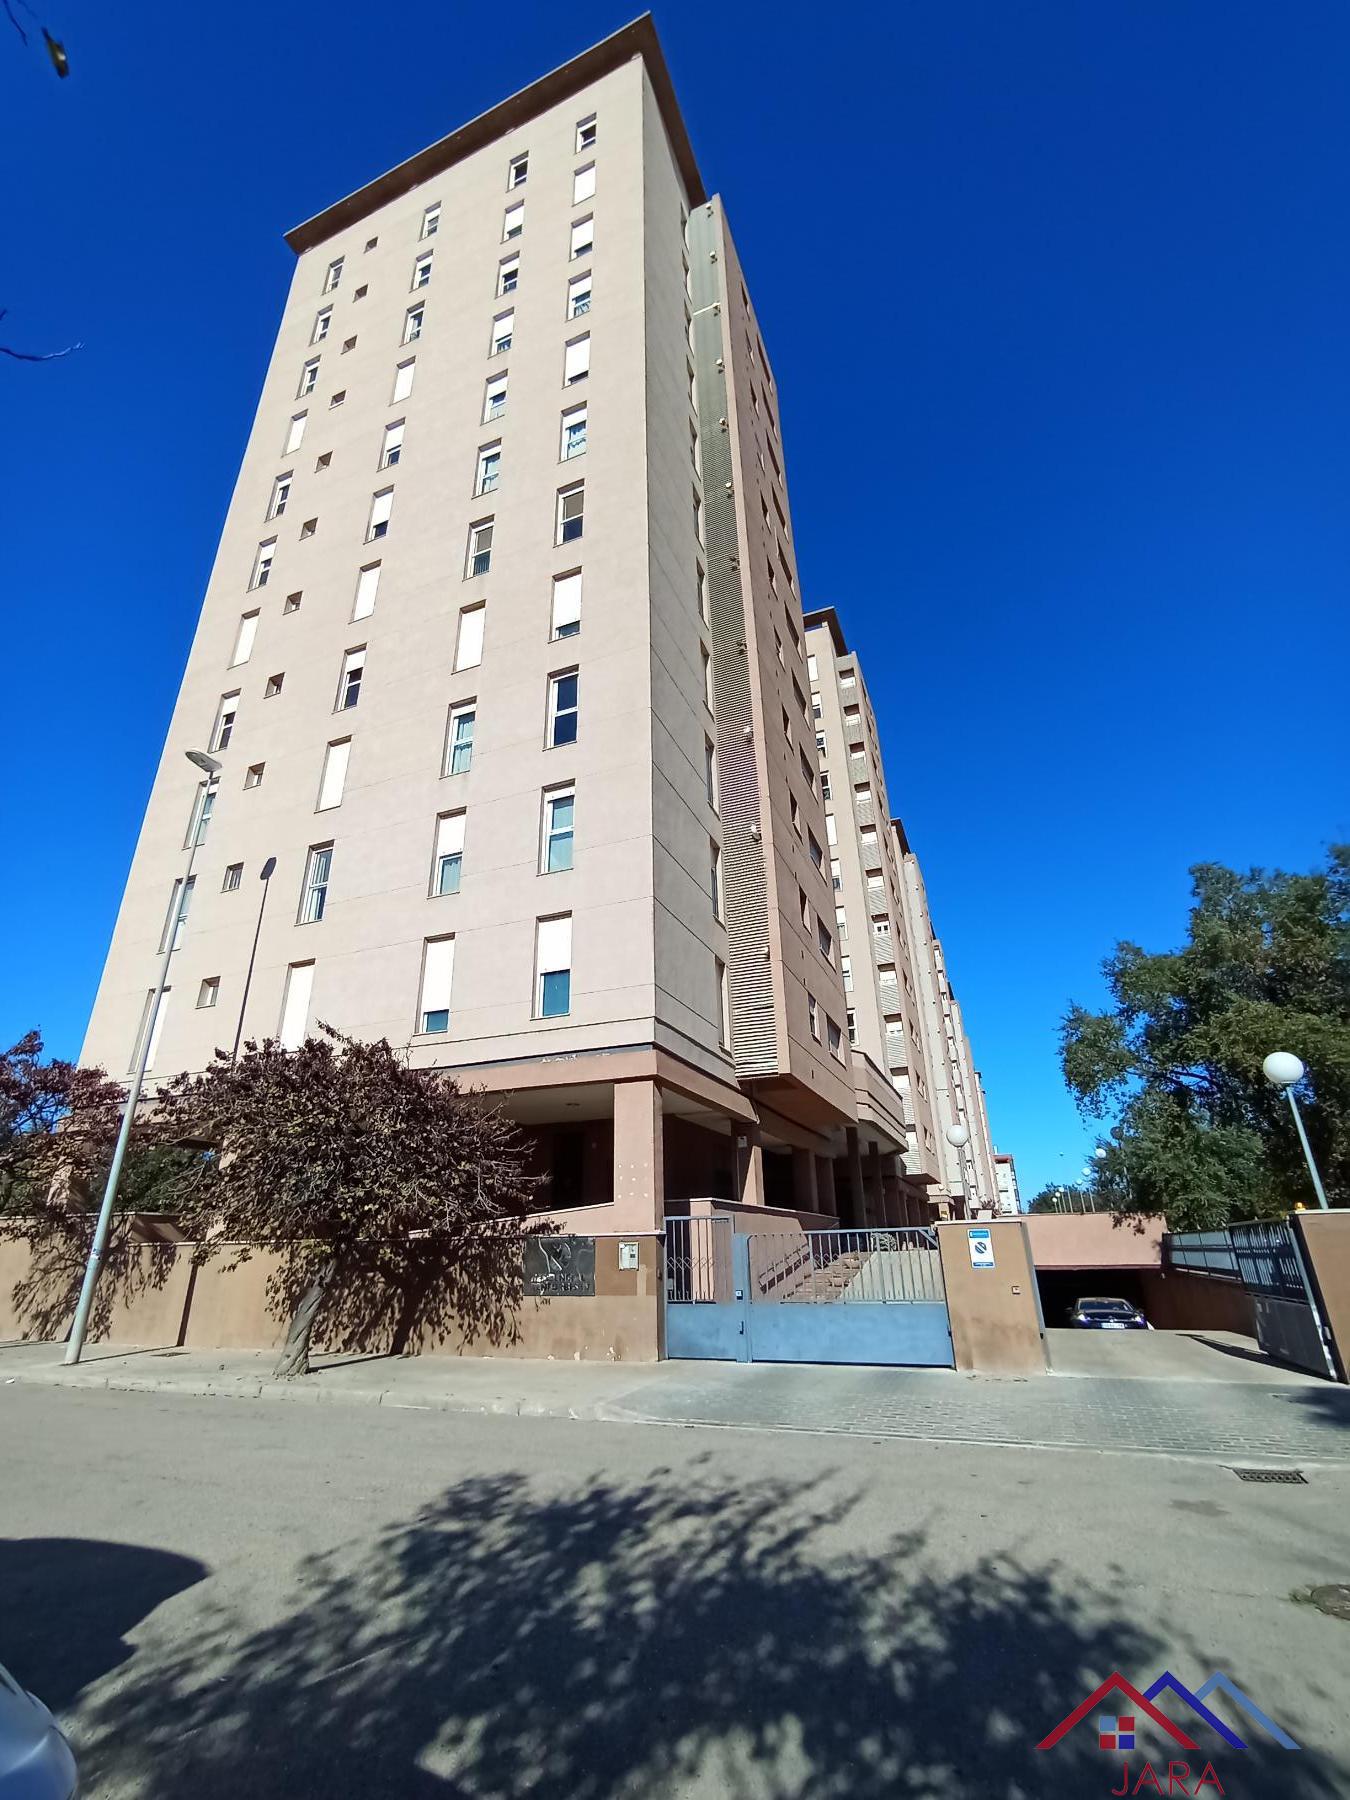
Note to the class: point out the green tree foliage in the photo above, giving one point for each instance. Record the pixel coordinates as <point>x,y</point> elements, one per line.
<point>56,1120</point>
<point>1058,1197</point>
<point>1203,1137</point>
<point>390,1198</point>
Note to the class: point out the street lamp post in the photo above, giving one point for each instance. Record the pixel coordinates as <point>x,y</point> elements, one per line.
<point>265,876</point>
<point>79,1326</point>
<point>1285,1071</point>
<point>958,1136</point>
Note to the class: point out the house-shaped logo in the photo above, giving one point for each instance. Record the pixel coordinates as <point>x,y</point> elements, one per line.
<point>1116,1731</point>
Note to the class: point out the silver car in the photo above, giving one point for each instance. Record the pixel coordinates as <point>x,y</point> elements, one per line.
<point>35,1759</point>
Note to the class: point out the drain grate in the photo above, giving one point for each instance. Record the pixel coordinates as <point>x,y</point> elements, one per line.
<point>1290,1477</point>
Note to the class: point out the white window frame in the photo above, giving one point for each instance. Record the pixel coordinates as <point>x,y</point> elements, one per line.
<point>244,638</point>
<point>431,221</point>
<point>581,241</point>
<point>333,775</point>
<point>281,493</point>
<point>413,320</point>
<point>436,984</point>
<point>403,379</point>
<point>367,590</point>
<point>448,848</point>
<point>573,419</point>
<point>295,1005</point>
<point>517,171</point>
<point>503,332</point>
<point>334,274</point>
<point>469,636</point>
<point>295,436</point>
<point>488,469</point>
<point>579,290</point>
<point>421,275</point>
<point>555,712</point>
<point>587,132</point>
<point>353,663</point>
<point>565,606</point>
<point>391,446</point>
<point>227,713</point>
<point>262,564</point>
<point>377,526</point>
<point>550,831</point>
<point>461,709</point>
<point>561,521</point>
<point>552,956</point>
<point>513,222</point>
<point>583,184</point>
<point>323,324</point>
<point>495,390</point>
<point>476,549</point>
<point>314,887</point>
<point>309,379</point>
<point>577,360</point>
<point>508,275</point>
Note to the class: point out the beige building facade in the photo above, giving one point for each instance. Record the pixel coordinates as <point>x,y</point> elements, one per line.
<point>503,661</point>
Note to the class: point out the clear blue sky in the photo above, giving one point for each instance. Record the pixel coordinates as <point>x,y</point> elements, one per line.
<point>1056,295</point>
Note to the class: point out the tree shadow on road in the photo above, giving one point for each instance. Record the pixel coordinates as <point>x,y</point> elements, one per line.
<point>67,1604</point>
<point>668,1636</point>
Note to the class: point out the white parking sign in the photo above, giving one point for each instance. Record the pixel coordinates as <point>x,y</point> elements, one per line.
<point>981,1243</point>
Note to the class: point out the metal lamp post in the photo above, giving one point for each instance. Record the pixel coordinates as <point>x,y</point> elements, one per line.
<point>265,876</point>
<point>1285,1071</point>
<point>80,1325</point>
<point>958,1136</point>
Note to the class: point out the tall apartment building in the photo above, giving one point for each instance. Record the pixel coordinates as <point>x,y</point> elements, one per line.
<point>503,659</point>
<point>1009,1195</point>
<point>902,1016</point>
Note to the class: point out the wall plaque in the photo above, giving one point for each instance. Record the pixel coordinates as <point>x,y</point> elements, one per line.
<point>559,1266</point>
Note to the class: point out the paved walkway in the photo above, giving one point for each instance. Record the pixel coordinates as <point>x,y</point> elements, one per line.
<point>1261,1417</point>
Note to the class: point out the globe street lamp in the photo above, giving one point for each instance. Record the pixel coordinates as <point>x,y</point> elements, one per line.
<point>210,769</point>
<point>1285,1071</point>
<point>958,1136</point>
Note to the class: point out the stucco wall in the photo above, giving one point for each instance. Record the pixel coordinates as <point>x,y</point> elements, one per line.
<point>1326,1244</point>
<point>995,1319</point>
<point>1094,1241</point>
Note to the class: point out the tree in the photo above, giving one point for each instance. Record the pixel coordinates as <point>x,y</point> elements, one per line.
<point>390,1197</point>
<point>1202,1136</point>
<point>56,1120</point>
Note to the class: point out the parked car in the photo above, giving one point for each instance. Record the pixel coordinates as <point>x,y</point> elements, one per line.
<point>35,1759</point>
<point>1097,1314</point>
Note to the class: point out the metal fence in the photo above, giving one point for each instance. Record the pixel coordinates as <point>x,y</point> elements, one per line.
<point>828,1267</point>
<point>698,1260</point>
<point>1262,1257</point>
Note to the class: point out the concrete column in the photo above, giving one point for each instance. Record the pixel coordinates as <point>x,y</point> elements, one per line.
<point>876,1199</point>
<point>749,1165</point>
<point>639,1172</point>
<point>893,1207</point>
<point>825,1193</point>
<point>857,1209</point>
<point>804,1180</point>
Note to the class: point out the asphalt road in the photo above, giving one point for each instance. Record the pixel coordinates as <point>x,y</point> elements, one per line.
<point>223,1598</point>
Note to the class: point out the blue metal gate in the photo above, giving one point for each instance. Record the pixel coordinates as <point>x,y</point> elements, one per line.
<point>872,1296</point>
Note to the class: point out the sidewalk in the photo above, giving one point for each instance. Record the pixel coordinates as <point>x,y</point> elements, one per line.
<point>1248,1421</point>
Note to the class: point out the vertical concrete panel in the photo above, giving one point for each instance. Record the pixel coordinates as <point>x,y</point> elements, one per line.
<point>995,1320</point>
<point>1326,1248</point>
<point>639,1176</point>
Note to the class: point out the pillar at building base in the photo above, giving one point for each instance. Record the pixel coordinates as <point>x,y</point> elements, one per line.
<point>804,1193</point>
<point>749,1165</point>
<point>639,1171</point>
<point>825,1194</point>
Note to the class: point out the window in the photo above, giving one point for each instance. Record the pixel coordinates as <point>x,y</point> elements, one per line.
<point>831,831</point>
<point>571,512</point>
<point>494,397</point>
<point>826,791</point>
<point>833,1039</point>
<point>489,468</point>
<point>349,682</point>
<point>348,344</point>
<point>296,432</point>
<point>583,185</point>
<point>253,775</point>
<point>705,664</point>
<point>360,293</point>
<point>243,643</point>
<point>820,743</point>
<point>586,133</point>
<point>841,924</point>
<point>573,433</point>
<point>723,1027</point>
<point>555,851</point>
<point>223,729</point>
<point>508,275</point>
<point>323,461</point>
<point>846,970</point>
<point>392,447</point>
<point>563,709</point>
<point>234,875</point>
<point>698,517</point>
<point>553,967</point>
<point>309,527</point>
<point>804,908</point>
<point>710,771</point>
<point>459,739</point>
<point>514,222</point>
<point>517,170</point>
<point>431,220</point>
<point>421,276</point>
<point>314,893</point>
<point>295,1005</point>
<point>715,878</point>
<point>795,813</point>
<point>813,1016</point>
<point>703,595</point>
<point>334,777</point>
<point>403,378</point>
<point>852,1019</point>
<point>836,870</point>
<point>203,805</point>
<point>565,618</point>
<point>478,556</point>
<point>503,330</point>
<point>578,296</point>
<point>334,275</point>
<point>448,859</point>
<point>381,506</point>
<point>370,245</point>
<point>583,237</point>
<point>309,376</point>
<point>438,968</point>
<point>469,641</point>
<point>262,563</point>
<point>155,1028</point>
<point>273,687</point>
<point>367,587</point>
<point>321,326</point>
<point>576,360</point>
<point>338,398</point>
<point>808,773</point>
<point>412,324</point>
<point>817,854</point>
<point>812,669</point>
<point>787,725</point>
<point>825,941</point>
<point>176,917</point>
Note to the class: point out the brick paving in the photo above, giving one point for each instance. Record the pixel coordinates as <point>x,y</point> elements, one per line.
<point>1241,1421</point>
